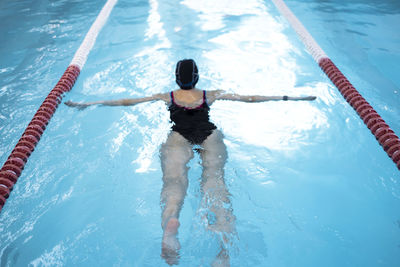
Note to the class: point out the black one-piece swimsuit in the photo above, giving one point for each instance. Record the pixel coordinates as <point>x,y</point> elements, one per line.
<point>192,123</point>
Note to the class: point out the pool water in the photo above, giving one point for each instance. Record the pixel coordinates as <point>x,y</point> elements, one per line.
<point>309,184</point>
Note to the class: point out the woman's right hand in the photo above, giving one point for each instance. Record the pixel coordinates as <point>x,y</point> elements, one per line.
<point>80,106</point>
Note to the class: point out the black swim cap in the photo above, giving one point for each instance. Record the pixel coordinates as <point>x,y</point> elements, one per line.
<point>187,74</point>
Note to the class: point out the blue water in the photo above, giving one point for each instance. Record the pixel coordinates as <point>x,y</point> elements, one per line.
<point>310,185</point>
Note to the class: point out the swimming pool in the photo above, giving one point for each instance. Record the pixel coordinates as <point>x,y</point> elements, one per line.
<point>310,186</point>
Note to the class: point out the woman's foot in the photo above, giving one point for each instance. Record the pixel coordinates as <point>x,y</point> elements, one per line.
<point>222,259</point>
<point>170,245</point>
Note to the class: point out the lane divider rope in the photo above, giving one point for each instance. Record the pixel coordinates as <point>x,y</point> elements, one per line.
<point>15,163</point>
<point>378,127</point>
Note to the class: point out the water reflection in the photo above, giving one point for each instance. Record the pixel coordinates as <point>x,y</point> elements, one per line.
<point>256,57</point>
<point>357,6</point>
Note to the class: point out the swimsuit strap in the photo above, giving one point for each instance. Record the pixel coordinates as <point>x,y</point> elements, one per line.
<point>204,100</point>
<point>205,97</point>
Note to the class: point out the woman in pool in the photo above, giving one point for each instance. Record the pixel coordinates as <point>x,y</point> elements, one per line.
<point>189,111</point>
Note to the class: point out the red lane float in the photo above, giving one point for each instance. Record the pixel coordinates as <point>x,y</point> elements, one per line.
<point>2,201</point>
<point>378,127</point>
<point>27,144</point>
<point>16,162</point>
<point>19,155</point>
<point>7,183</point>
<point>22,149</point>
<point>17,159</point>
<point>4,191</point>
<point>385,136</point>
<point>12,168</point>
<point>10,176</point>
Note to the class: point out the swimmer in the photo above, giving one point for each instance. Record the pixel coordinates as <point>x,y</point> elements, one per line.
<point>189,112</point>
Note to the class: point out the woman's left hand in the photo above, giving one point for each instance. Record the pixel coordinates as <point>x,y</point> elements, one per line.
<point>309,98</point>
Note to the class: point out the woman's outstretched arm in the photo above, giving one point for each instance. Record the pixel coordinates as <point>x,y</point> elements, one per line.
<point>120,102</point>
<point>222,95</point>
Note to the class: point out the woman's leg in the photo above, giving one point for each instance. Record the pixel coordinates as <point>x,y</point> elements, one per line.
<point>216,195</point>
<point>175,154</point>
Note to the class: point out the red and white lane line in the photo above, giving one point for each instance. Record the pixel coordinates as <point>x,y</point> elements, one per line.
<point>12,168</point>
<point>385,136</point>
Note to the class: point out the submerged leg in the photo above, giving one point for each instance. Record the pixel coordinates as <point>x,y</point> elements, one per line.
<point>175,154</point>
<point>216,195</point>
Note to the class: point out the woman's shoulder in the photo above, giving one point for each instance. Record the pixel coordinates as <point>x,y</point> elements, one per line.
<point>213,95</point>
<point>162,96</point>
